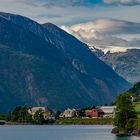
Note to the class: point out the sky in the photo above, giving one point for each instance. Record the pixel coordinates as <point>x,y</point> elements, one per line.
<point>70,12</point>
<point>99,22</point>
<point>107,33</point>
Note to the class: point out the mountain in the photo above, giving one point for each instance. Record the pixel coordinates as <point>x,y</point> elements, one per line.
<point>43,65</point>
<point>116,42</point>
<point>126,63</point>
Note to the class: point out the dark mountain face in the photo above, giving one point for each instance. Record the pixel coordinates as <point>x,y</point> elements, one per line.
<point>43,65</point>
<point>126,64</point>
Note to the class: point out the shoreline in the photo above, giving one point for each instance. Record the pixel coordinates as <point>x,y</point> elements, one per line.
<point>85,121</point>
<point>21,124</point>
<point>135,132</point>
<point>70,121</point>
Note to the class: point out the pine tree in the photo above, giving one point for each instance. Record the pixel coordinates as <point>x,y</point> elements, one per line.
<point>125,114</point>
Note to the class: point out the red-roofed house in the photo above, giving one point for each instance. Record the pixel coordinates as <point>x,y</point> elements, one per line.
<point>94,113</point>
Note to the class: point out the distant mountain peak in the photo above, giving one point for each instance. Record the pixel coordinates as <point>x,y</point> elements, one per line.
<point>49,24</point>
<point>113,49</point>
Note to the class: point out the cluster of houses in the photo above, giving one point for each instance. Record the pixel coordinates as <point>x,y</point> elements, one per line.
<point>99,112</point>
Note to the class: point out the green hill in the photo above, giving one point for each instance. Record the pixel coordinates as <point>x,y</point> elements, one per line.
<point>135,91</point>
<point>137,107</point>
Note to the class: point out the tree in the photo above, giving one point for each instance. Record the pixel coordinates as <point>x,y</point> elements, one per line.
<point>38,117</point>
<point>19,114</point>
<point>2,117</point>
<point>125,113</point>
<point>57,114</point>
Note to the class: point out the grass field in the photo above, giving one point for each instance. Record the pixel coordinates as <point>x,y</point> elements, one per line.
<point>137,108</point>
<point>84,121</point>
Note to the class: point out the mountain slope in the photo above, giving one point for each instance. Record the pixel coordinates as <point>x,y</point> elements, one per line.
<point>26,79</point>
<point>112,39</point>
<point>43,65</point>
<point>126,64</point>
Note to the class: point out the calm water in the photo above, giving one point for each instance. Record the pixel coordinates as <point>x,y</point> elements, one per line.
<point>81,132</point>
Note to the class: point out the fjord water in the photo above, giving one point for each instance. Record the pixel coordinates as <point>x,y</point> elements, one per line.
<point>54,132</point>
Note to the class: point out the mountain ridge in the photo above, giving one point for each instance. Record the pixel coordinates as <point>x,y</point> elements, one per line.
<point>60,71</point>
<point>125,63</point>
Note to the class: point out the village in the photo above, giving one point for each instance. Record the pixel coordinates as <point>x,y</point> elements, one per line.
<point>96,112</point>
<point>45,115</point>
<point>99,112</point>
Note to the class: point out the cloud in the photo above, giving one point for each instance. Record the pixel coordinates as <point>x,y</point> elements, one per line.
<point>62,3</point>
<point>103,30</point>
<point>68,12</point>
<point>123,2</point>
<point>110,26</point>
<point>107,32</point>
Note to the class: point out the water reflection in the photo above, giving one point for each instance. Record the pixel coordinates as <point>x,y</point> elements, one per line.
<point>122,138</point>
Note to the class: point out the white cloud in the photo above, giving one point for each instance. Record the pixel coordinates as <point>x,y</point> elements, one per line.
<point>69,15</point>
<point>100,32</point>
<point>107,32</point>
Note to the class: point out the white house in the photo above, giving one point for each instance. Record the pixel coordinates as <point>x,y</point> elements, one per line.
<point>69,113</point>
<point>109,111</point>
<point>33,110</point>
<point>47,113</point>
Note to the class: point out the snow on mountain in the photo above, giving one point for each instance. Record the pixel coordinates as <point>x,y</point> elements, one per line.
<point>112,49</point>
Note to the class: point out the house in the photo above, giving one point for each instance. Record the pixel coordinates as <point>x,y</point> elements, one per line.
<point>109,111</point>
<point>47,112</point>
<point>61,115</point>
<point>33,110</point>
<point>48,115</point>
<point>94,113</point>
<point>69,113</point>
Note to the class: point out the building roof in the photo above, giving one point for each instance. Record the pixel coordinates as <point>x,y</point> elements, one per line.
<point>97,109</point>
<point>34,109</point>
<point>44,109</point>
<point>108,109</point>
<point>69,110</point>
